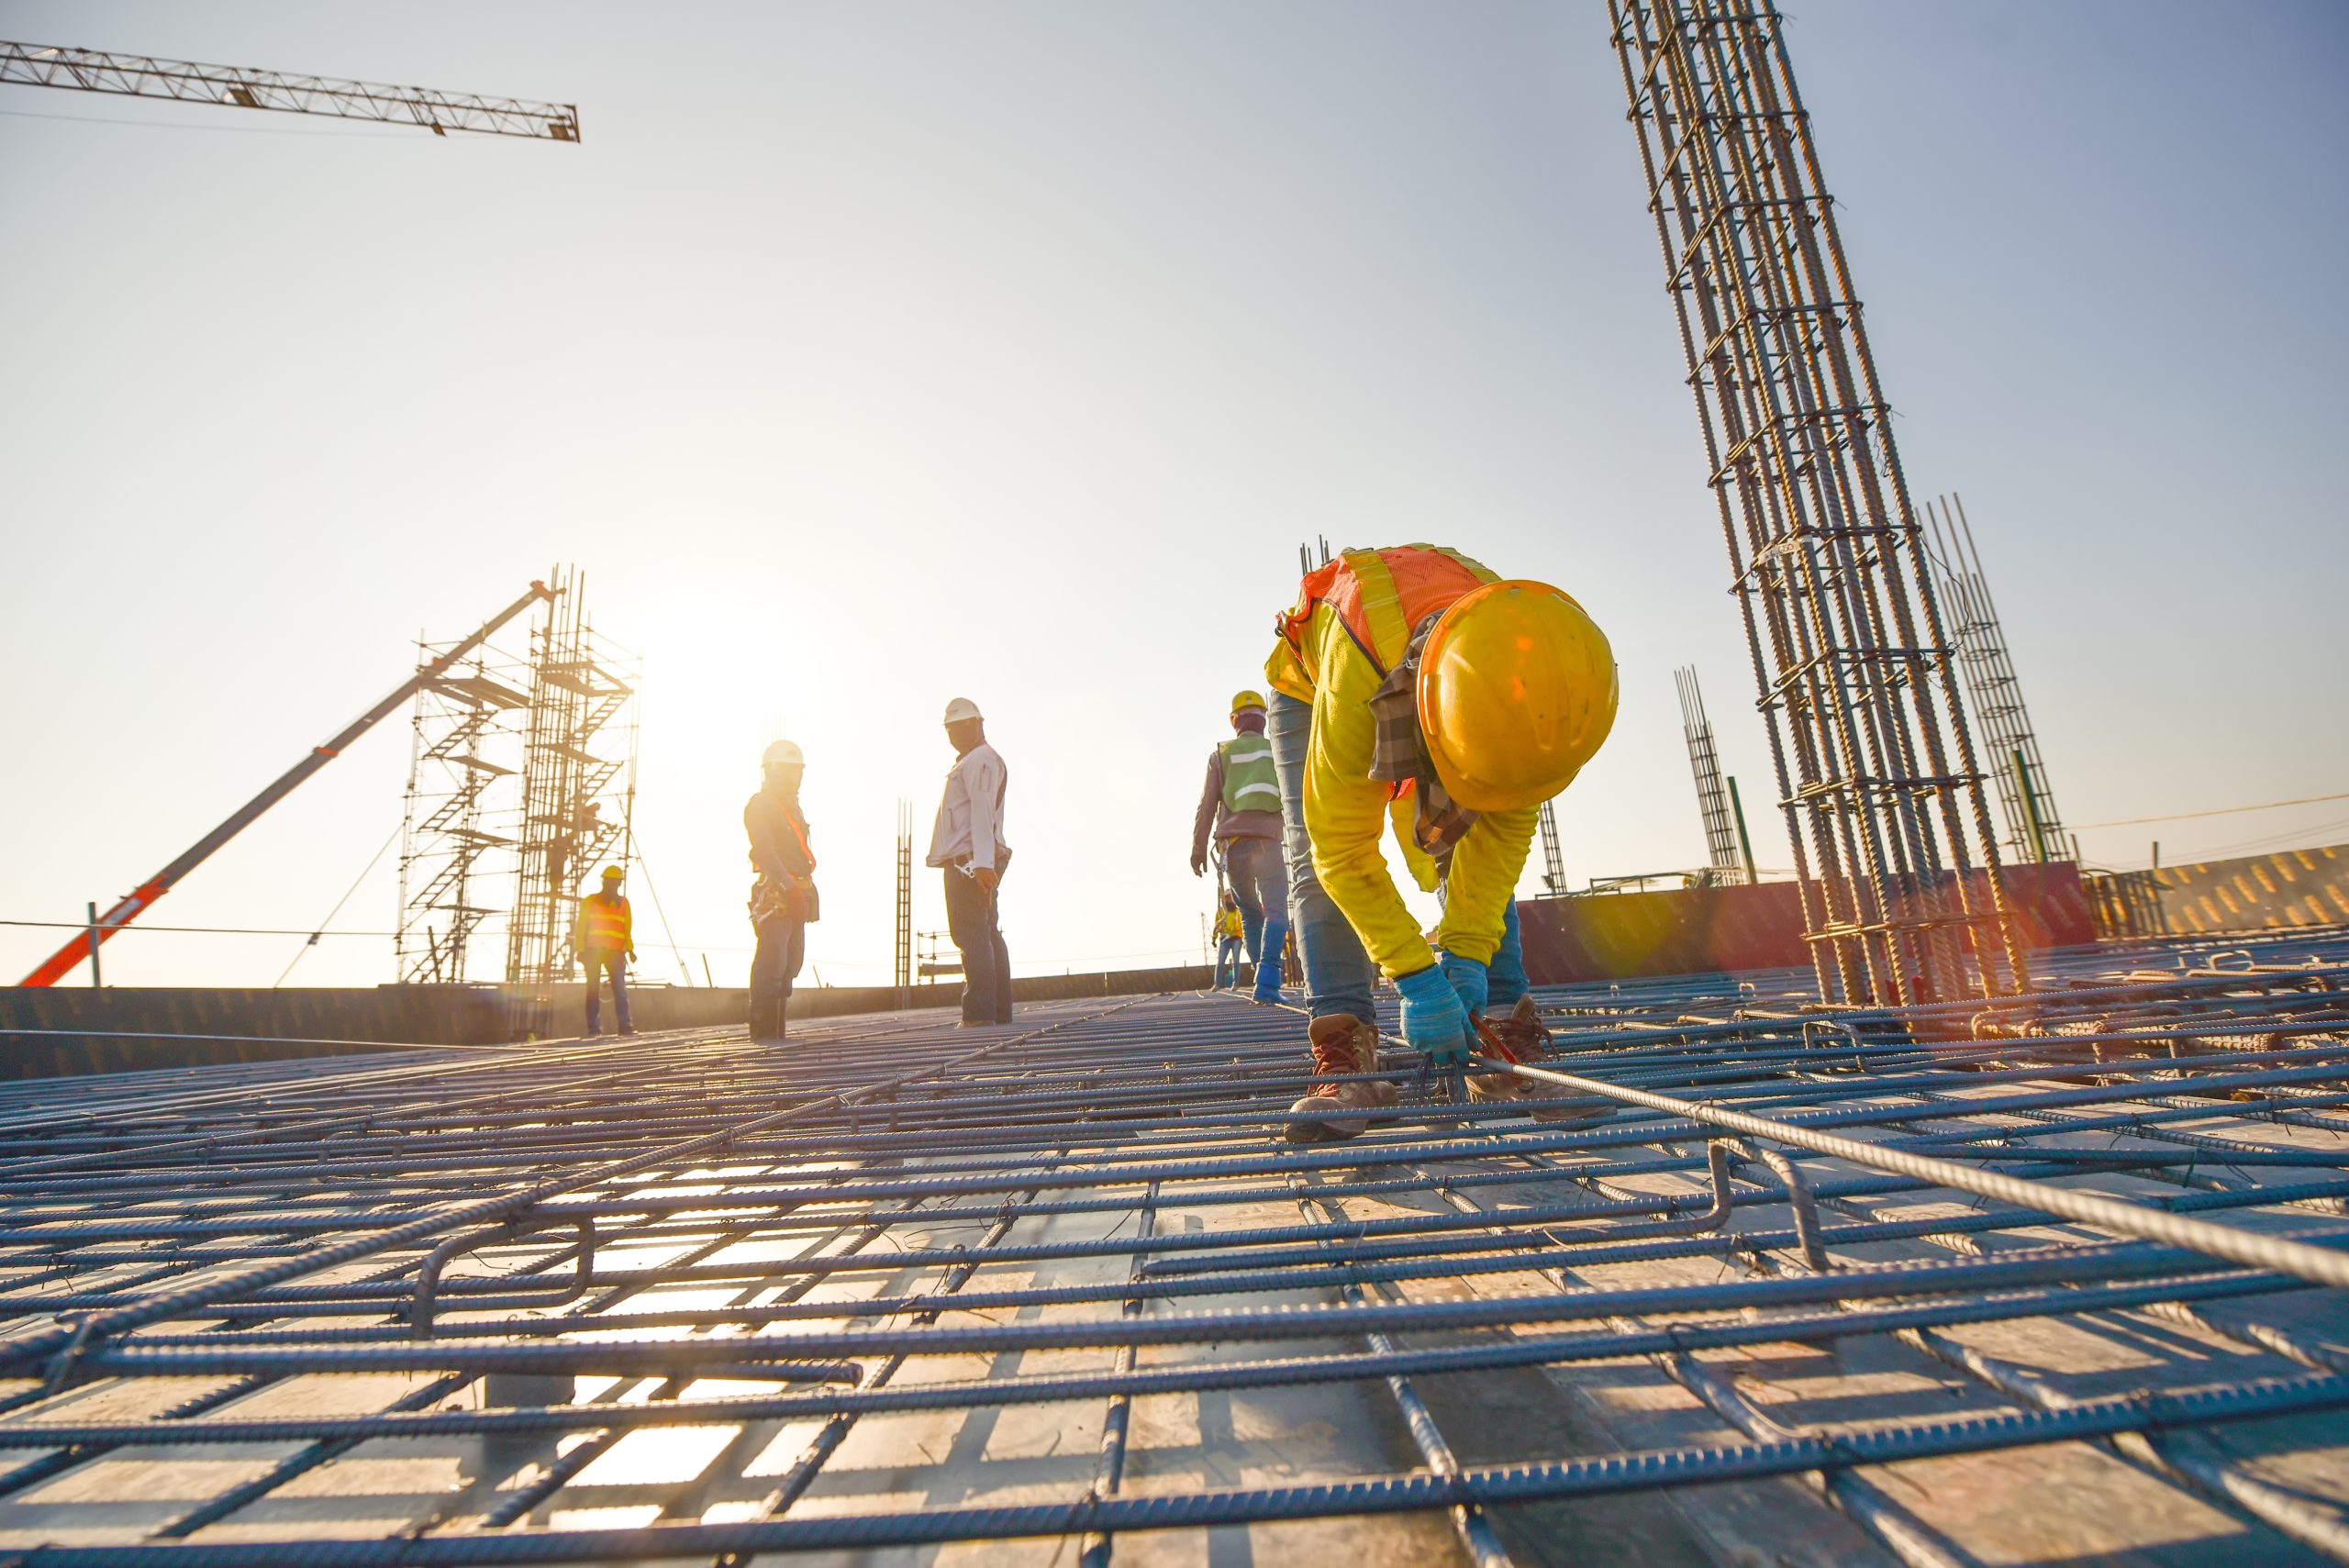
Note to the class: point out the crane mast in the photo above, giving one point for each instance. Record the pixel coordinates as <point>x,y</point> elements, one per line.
<point>142,76</point>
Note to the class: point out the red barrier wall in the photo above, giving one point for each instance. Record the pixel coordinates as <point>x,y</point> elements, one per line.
<point>1701,930</point>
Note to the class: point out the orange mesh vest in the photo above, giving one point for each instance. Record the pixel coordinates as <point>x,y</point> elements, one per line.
<point>602,923</point>
<point>1378,595</point>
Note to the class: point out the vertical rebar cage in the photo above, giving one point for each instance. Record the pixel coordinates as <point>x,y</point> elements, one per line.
<point>1875,769</point>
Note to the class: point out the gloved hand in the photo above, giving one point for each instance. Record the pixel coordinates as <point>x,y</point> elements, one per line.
<point>1471,980</point>
<point>1433,1019</point>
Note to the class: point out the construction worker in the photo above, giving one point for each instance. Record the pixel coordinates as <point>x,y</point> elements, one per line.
<point>1230,933</point>
<point>603,939</point>
<point>1413,684</point>
<point>1240,802</point>
<point>783,899</point>
<point>966,843</point>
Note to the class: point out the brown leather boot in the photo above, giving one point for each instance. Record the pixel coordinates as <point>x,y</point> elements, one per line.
<point>1528,1040</point>
<point>1342,1045</point>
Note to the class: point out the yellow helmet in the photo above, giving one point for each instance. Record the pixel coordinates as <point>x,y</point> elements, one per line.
<point>613,873</point>
<point>1242,701</point>
<point>1516,693</point>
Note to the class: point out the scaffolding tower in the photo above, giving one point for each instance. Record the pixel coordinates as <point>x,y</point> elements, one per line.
<point>578,790</point>
<point>1725,863</point>
<point>1553,859</point>
<point>2034,827</point>
<point>903,970</point>
<point>1897,862</point>
<point>457,843</point>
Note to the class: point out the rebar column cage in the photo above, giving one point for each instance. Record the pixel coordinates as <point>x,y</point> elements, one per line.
<point>577,795</point>
<point>1876,770</point>
<point>1725,865</point>
<point>1996,691</point>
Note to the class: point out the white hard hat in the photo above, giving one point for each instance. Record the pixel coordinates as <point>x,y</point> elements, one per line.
<point>961,708</point>
<point>784,754</point>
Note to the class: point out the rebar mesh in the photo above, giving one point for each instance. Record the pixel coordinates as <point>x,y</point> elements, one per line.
<point>896,1283</point>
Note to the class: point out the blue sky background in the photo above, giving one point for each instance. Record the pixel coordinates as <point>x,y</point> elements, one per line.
<point>868,354</point>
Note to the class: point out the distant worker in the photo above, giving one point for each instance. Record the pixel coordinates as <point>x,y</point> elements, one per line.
<point>967,843</point>
<point>783,899</point>
<point>604,940</point>
<point>1413,682</point>
<point>1230,934</point>
<point>1239,806</point>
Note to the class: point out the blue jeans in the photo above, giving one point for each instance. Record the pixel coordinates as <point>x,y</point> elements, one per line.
<point>1338,973</point>
<point>599,962</point>
<point>1254,868</point>
<point>1227,961</point>
<point>1505,975</point>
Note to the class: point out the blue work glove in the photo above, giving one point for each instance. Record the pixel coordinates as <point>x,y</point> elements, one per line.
<point>1469,979</point>
<point>1433,1019</point>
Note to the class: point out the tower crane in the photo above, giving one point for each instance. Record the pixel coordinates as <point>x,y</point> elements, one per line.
<point>140,76</point>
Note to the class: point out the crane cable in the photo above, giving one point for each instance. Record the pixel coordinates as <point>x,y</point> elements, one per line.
<point>339,902</point>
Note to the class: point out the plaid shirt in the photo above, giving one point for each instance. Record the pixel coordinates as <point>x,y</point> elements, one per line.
<point>1400,756</point>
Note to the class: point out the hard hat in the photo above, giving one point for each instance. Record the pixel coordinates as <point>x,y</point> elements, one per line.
<point>613,873</point>
<point>961,708</point>
<point>1516,693</point>
<point>1241,700</point>
<point>784,754</point>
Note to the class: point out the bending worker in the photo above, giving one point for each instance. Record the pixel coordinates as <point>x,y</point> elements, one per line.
<point>967,841</point>
<point>1240,802</point>
<point>783,899</point>
<point>603,939</point>
<point>1414,683</point>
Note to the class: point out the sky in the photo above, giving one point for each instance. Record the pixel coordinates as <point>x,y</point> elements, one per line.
<point>868,354</point>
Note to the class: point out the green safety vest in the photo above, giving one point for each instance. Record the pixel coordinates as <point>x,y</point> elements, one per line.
<point>1250,783</point>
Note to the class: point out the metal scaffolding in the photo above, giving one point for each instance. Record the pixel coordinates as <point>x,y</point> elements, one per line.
<point>457,843</point>
<point>2034,831</point>
<point>902,967</point>
<point>904,1284</point>
<point>1554,857</point>
<point>578,789</point>
<point>1726,862</point>
<point>1896,857</point>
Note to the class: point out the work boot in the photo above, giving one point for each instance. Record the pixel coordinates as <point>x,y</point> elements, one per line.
<point>1528,1040</point>
<point>1342,1045</point>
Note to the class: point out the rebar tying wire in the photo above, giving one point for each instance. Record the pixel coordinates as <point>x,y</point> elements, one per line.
<point>267,1225</point>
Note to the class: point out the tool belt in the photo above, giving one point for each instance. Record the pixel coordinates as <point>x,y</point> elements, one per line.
<point>796,901</point>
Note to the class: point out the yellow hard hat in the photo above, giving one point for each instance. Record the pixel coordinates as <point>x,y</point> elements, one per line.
<point>1243,700</point>
<point>613,873</point>
<point>1516,693</point>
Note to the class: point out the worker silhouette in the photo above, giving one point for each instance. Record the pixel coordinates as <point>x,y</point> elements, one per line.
<point>604,940</point>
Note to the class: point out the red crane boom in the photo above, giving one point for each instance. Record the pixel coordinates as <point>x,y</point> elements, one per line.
<point>136,903</point>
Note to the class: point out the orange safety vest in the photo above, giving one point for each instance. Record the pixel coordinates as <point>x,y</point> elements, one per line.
<point>605,924</point>
<point>1378,595</point>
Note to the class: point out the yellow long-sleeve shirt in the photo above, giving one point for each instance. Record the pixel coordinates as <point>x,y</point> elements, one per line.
<point>1346,811</point>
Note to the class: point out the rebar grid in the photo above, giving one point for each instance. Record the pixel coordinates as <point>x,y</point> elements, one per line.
<point>1894,847</point>
<point>687,1299</point>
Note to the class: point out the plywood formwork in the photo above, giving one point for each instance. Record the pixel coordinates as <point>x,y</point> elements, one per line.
<point>1062,1292</point>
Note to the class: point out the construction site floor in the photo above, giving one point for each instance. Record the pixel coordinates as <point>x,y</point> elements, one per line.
<point>1763,1285</point>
